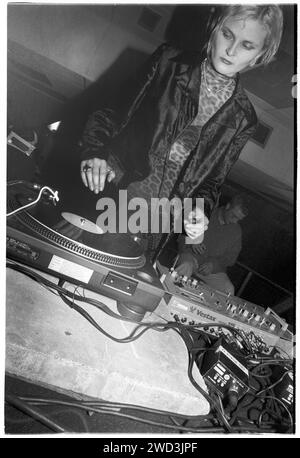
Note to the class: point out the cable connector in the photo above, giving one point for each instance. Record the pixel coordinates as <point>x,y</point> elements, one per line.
<point>233,395</point>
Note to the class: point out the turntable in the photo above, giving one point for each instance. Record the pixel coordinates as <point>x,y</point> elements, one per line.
<point>73,248</point>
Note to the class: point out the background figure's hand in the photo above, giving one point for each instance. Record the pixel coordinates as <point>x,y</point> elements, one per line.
<point>206,268</point>
<point>94,173</point>
<point>185,268</point>
<point>186,264</point>
<point>195,226</point>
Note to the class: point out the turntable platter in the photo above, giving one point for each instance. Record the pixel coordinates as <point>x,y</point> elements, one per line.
<point>73,232</point>
<point>82,223</point>
<point>122,245</point>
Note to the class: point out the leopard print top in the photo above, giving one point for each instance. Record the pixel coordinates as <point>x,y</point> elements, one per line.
<point>215,90</point>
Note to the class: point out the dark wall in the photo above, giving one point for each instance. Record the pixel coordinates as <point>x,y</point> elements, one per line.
<point>268,237</point>
<point>188,26</point>
<point>269,249</point>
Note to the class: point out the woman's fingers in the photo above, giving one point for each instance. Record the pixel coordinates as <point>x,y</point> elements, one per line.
<point>83,177</point>
<point>194,230</point>
<point>111,175</point>
<point>196,224</point>
<point>94,173</point>
<point>85,169</point>
<point>89,176</point>
<point>101,178</point>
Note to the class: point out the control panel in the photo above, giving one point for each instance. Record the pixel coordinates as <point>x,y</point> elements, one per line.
<point>224,371</point>
<point>21,249</point>
<point>193,302</point>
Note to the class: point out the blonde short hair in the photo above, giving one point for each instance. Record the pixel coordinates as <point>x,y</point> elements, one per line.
<point>269,15</point>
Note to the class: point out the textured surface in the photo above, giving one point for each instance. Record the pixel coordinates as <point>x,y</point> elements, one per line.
<point>52,345</point>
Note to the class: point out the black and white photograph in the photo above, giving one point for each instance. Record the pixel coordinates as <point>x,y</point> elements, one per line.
<point>150,279</point>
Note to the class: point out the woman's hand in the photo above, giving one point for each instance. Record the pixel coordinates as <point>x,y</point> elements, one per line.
<point>94,173</point>
<point>195,226</point>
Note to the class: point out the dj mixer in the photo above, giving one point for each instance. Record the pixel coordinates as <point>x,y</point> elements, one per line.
<point>192,302</point>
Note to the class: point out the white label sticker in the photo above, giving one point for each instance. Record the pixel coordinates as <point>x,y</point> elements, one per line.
<point>180,306</point>
<point>222,369</point>
<point>218,370</point>
<point>233,359</point>
<point>70,269</point>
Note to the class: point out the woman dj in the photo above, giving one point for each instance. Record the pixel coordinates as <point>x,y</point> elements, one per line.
<point>186,125</point>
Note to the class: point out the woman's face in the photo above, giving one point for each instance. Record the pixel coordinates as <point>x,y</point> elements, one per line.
<point>236,44</point>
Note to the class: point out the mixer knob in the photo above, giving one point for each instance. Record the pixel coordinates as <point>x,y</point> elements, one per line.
<point>194,282</point>
<point>251,315</point>
<point>257,317</point>
<point>245,313</point>
<point>272,326</point>
<point>233,308</point>
<point>184,279</point>
<point>218,304</point>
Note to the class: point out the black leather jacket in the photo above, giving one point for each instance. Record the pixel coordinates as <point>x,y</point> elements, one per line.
<point>164,102</point>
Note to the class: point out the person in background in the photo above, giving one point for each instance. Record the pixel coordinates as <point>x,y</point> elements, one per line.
<point>220,248</point>
<point>185,124</point>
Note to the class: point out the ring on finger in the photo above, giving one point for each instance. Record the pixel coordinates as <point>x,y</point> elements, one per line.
<point>86,168</point>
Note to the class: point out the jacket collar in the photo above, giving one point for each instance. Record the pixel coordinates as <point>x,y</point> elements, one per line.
<point>190,75</point>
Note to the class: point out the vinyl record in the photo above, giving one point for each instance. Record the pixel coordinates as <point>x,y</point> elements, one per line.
<point>82,223</point>
<point>72,231</point>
